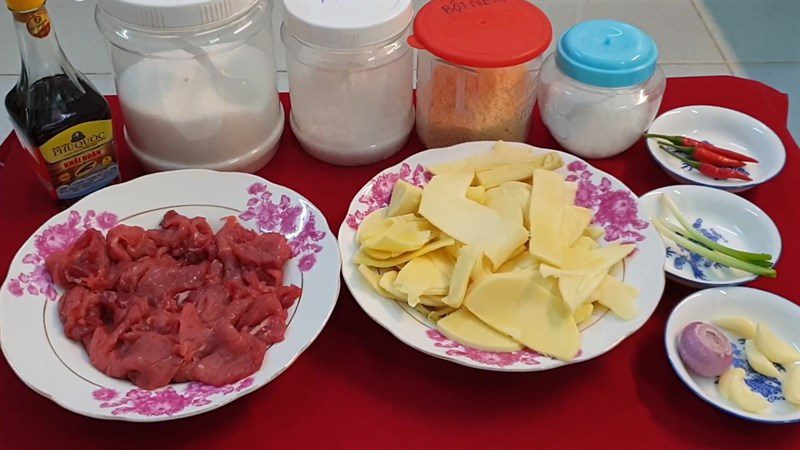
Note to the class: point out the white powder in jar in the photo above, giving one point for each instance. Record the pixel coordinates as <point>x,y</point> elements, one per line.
<point>352,116</point>
<point>180,112</point>
<point>596,123</point>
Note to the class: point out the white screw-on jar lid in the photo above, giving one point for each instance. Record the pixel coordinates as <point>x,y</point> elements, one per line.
<point>347,23</point>
<point>172,14</point>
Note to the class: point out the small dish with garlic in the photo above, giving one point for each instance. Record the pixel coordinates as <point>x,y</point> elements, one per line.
<point>738,348</point>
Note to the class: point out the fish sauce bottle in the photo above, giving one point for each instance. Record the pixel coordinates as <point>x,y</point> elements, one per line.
<point>62,121</point>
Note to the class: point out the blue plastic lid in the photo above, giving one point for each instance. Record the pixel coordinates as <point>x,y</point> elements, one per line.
<point>607,53</point>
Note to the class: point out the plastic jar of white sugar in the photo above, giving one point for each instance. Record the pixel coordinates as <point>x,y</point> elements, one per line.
<point>601,89</point>
<point>350,75</point>
<point>196,81</point>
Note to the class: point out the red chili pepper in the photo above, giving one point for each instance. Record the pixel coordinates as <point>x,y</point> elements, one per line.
<point>726,153</point>
<point>712,171</point>
<point>689,142</point>
<point>722,173</point>
<point>704,155</point>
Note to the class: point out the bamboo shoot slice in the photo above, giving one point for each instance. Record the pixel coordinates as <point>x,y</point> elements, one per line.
<point>546,214</point>
<point>465,328</point>
<point>617,296</point>
<point>405,199</point>
<point>514,305</point>
<point>467,260</point>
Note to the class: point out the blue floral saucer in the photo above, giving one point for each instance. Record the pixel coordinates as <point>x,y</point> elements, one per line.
<point>722,217</point>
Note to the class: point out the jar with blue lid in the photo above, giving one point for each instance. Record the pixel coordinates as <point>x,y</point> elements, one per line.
<point>601,89</point>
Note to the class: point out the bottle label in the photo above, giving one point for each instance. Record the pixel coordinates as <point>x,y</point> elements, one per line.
<point>80,159</point>
<point>38,24</point>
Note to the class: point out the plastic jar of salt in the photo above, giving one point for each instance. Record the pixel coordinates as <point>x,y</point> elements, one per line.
<point>477,69</point>
<point>351,77</point>
<point>196,81</point>
<point>601,89</point>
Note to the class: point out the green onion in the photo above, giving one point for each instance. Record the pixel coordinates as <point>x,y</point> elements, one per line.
<point>762,263</point>
<point>711,254</point>
<point>700,238</point>
<point>682,232</point>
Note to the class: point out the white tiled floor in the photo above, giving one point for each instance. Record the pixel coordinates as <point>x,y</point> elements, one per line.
<point>759,39</point>
<point>674,25</point>
<point>754,30</point>
<point>696,70</point>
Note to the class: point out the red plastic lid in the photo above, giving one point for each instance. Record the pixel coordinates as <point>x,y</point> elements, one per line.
<point>482,33</point>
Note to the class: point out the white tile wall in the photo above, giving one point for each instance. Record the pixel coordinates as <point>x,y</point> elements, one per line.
<point>6,83</point>
<point>562,14</point>
<point>759,39</point>
<point>9,52</point>
<point>82,42</point>
<point>104,82</point>
<point>675,26</point>
<point>754,30</point>
<point>277,18</point>
<point>73,21</point>
<point>695,37</point>
<point>695,70</point>
<point>683,38</point>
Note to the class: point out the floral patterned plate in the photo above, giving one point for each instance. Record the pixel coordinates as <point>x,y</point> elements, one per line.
<point>31,333</point>
<point>722,217</point>
<point>616,210</point>
<point>782,316</point>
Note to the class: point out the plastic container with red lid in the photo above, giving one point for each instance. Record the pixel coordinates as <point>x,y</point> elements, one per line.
<point>477,69</point>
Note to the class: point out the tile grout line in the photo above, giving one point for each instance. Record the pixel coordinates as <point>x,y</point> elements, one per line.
<point>693,64</point>
<point>711,34</point>
<point>762,62</point>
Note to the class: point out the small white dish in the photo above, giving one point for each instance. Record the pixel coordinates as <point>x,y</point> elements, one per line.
<point>721,216</point>
<point>32,336</point>
<point>724,128</point>
<point>616,209</point>
<point>782,316</point>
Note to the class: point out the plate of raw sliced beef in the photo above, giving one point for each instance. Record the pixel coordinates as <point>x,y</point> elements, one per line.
<point>169,295</point>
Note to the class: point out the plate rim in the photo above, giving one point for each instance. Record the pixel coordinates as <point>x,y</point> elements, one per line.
<point>224,400</point>
<point>479,366</point>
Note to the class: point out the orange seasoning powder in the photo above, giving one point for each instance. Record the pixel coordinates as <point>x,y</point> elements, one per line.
<point>477,104</point>
<point>478,67</point>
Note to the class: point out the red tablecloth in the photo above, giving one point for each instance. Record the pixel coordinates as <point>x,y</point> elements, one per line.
<point>359,387</point>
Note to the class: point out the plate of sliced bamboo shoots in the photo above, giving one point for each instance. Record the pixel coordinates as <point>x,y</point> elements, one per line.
<point>502,256</point>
